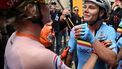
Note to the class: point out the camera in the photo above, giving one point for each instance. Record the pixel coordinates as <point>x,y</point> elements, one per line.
<point>67,15</point>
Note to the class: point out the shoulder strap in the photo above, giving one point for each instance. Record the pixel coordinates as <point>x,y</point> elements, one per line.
<point>119,37</point>
<point>118,49</point>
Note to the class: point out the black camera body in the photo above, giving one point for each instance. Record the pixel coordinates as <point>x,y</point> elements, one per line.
<point>67,15</point>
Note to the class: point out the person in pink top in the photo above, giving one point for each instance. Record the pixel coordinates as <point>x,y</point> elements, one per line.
<point>23,49</point>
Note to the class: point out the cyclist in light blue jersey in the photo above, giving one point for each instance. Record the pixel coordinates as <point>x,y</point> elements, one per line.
<point>118,64</point>
<point>95,41</point>
<point>119,45</point>
<point>119,55</point>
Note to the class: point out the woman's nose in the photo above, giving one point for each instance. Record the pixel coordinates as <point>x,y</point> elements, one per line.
<point>86,9</point>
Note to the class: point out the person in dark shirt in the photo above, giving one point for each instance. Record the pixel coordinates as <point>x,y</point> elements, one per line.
<point>55,16</point>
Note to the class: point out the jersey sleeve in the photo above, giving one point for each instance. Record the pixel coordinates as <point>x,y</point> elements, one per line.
<point>119,43</point>
<point>58,63</point>
<point>46,59</point>
<point>72,41</point>
<point>112,37</point>
<point>52,60</point>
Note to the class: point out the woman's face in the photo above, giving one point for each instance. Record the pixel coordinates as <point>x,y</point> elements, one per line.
<point>91,12</point>
<point>53,8</point>
<point>76,10</point>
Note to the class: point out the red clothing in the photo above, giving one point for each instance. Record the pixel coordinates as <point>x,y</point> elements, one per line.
<point>46,33</point>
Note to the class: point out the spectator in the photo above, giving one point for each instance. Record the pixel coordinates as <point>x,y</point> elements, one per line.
<point>115,16</point>
<point>76,16</point>
<point>55,15</point>
<point>118,64</point>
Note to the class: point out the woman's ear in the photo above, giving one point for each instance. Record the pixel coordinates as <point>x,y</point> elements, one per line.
<point>101,13</point>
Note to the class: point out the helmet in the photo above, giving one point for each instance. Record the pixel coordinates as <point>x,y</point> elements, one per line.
<point>105,4</point>
<point>10,7</point>
<point>6,4</point>
<point>35,15</point>
<point>20,10</point>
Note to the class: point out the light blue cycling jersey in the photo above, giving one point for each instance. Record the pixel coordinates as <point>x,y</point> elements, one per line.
<point>119,44</point>
<point>84,50</point>
<point>120,65</point>
<point>119,30</point>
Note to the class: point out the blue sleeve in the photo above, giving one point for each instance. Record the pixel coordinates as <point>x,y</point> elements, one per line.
<point>119,43</point>
<point>112,37</point>
<point>72,41</point>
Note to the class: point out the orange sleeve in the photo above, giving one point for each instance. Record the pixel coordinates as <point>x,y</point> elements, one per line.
<point>44,36</point>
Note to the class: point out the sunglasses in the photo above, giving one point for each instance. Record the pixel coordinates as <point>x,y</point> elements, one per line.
<point>76,10</point>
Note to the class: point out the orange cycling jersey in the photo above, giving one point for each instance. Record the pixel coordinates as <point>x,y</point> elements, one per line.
<point>46,35</point>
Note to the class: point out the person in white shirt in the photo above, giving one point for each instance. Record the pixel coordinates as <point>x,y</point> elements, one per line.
<point>23,49</point>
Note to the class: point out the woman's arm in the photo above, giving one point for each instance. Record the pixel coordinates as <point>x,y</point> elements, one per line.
<point>91,62</point>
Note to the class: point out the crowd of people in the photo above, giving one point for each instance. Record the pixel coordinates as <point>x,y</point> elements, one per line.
<point>33,39</point>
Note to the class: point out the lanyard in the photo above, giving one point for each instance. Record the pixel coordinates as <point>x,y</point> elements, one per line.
<point>21,34</point>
